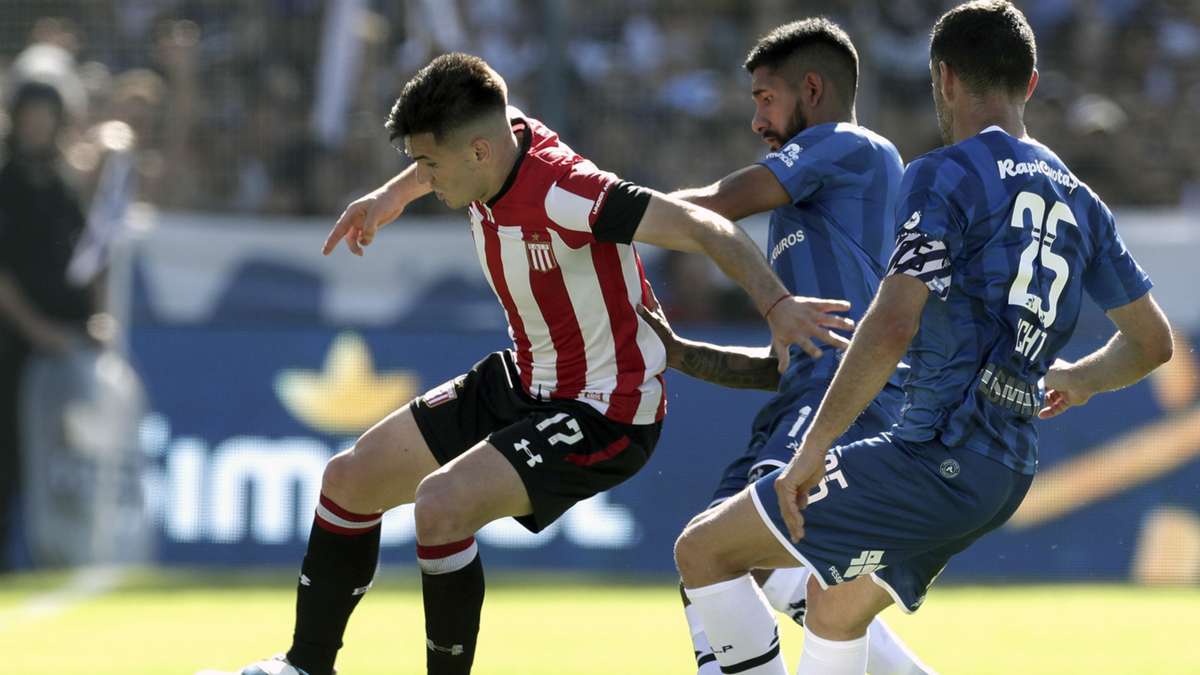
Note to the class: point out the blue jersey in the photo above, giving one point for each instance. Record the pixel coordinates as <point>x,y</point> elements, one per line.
<point>1007,239</point>
<point>834,239</point>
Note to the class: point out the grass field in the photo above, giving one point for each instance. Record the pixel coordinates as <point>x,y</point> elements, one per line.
<point>154,623</point>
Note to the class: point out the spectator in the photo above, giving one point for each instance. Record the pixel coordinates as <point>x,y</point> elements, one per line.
<point>40,221</point>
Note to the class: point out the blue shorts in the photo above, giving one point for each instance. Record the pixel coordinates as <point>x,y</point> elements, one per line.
<point>779,426</point>
<point>896,511</point>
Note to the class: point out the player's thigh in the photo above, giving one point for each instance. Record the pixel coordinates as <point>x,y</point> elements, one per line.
<point>470,491</point>
<point>844,611</point>
<point>387,463</point>
<point>383,467</point>
<point>726,541</point>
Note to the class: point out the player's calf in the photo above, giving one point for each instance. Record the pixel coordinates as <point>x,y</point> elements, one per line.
<point>451,504</point>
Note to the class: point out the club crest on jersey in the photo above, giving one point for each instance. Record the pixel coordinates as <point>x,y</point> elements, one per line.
<point>540,253</point>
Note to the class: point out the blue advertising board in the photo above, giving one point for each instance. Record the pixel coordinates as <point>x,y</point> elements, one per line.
<point>244,419</point>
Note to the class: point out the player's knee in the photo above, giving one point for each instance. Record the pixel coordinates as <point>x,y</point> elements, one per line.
<point>692,555</point>
<point>438,513</point>
<point>340,478</point>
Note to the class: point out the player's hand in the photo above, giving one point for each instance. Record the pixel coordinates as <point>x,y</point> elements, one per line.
<point>652,312</point>
<point>362,219</point>
<point>1063,390</point>
<point>798,320</point>
<point>798,478</point>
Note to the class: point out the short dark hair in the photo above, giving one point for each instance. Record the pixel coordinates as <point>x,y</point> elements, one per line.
<point>988,44</point>
<point>452,91</point>
<point>818,38</point>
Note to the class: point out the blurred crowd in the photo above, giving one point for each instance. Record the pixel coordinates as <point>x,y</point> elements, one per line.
<point>276,107</point>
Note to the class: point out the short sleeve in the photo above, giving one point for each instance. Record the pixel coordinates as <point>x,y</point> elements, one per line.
<point>929,236</point>
<point>593,202</point>
<point>803,164</point>
<point>1112,277</point>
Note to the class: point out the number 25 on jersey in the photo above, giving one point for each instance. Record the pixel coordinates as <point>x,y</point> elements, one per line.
<point>1030,337</point>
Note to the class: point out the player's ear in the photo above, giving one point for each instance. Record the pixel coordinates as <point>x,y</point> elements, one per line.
<point>946,81</point>
<point>1033,82</point>
<point>481,149</point>
<point>812,88</point>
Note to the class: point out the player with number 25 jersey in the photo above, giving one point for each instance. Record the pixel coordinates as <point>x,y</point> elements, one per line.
<point>1002,232</point>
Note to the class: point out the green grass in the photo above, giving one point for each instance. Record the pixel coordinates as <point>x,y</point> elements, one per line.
<point>160,624</point>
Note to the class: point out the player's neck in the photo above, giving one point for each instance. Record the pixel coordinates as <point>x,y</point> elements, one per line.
<point>507,154</point>
<point>832,117</point>
<point>976,118</point>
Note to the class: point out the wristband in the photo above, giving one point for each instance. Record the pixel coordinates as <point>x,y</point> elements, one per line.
<point>783,297</point>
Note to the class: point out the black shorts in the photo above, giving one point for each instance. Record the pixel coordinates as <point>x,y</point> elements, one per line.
<point>564,451</point>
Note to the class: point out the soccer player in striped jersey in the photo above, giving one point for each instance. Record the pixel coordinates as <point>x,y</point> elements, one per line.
<point>997,242</point>
<point>573,409</point>
<point>830,186</point>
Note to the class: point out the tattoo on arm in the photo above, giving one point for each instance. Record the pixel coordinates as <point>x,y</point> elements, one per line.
<point>729,368</point>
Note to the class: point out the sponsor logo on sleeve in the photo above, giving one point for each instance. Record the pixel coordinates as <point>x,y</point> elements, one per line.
<point>789,154</point>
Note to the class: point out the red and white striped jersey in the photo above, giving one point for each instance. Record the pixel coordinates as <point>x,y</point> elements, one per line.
<point>556,246</point>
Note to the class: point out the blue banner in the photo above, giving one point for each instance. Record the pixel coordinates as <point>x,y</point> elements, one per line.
<point>244,420</point>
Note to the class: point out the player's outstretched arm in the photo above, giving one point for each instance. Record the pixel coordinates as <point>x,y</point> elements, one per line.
<point>677,225</point>
<point>749,190</point>
<point>882,337</point>
<point>365,215</point>
<point>1141,344</point>
<point>735,367</point>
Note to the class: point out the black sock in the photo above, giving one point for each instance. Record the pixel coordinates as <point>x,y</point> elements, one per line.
<point>343,552</point>
<point>452,585</point>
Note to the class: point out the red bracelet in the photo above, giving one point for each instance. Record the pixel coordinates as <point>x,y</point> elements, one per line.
<point>783,297</point>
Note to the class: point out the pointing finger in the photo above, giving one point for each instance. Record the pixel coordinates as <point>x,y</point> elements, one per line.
<point>345,222</point>
<point>335,235</point>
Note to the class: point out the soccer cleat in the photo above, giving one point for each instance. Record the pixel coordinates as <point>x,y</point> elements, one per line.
<point>276,665</point>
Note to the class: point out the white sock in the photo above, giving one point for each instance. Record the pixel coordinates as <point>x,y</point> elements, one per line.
<point>888,655</point>
<point>706,663</point>
<point>740,626</point>
<point>786,590</point>
<point>833,657</point>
